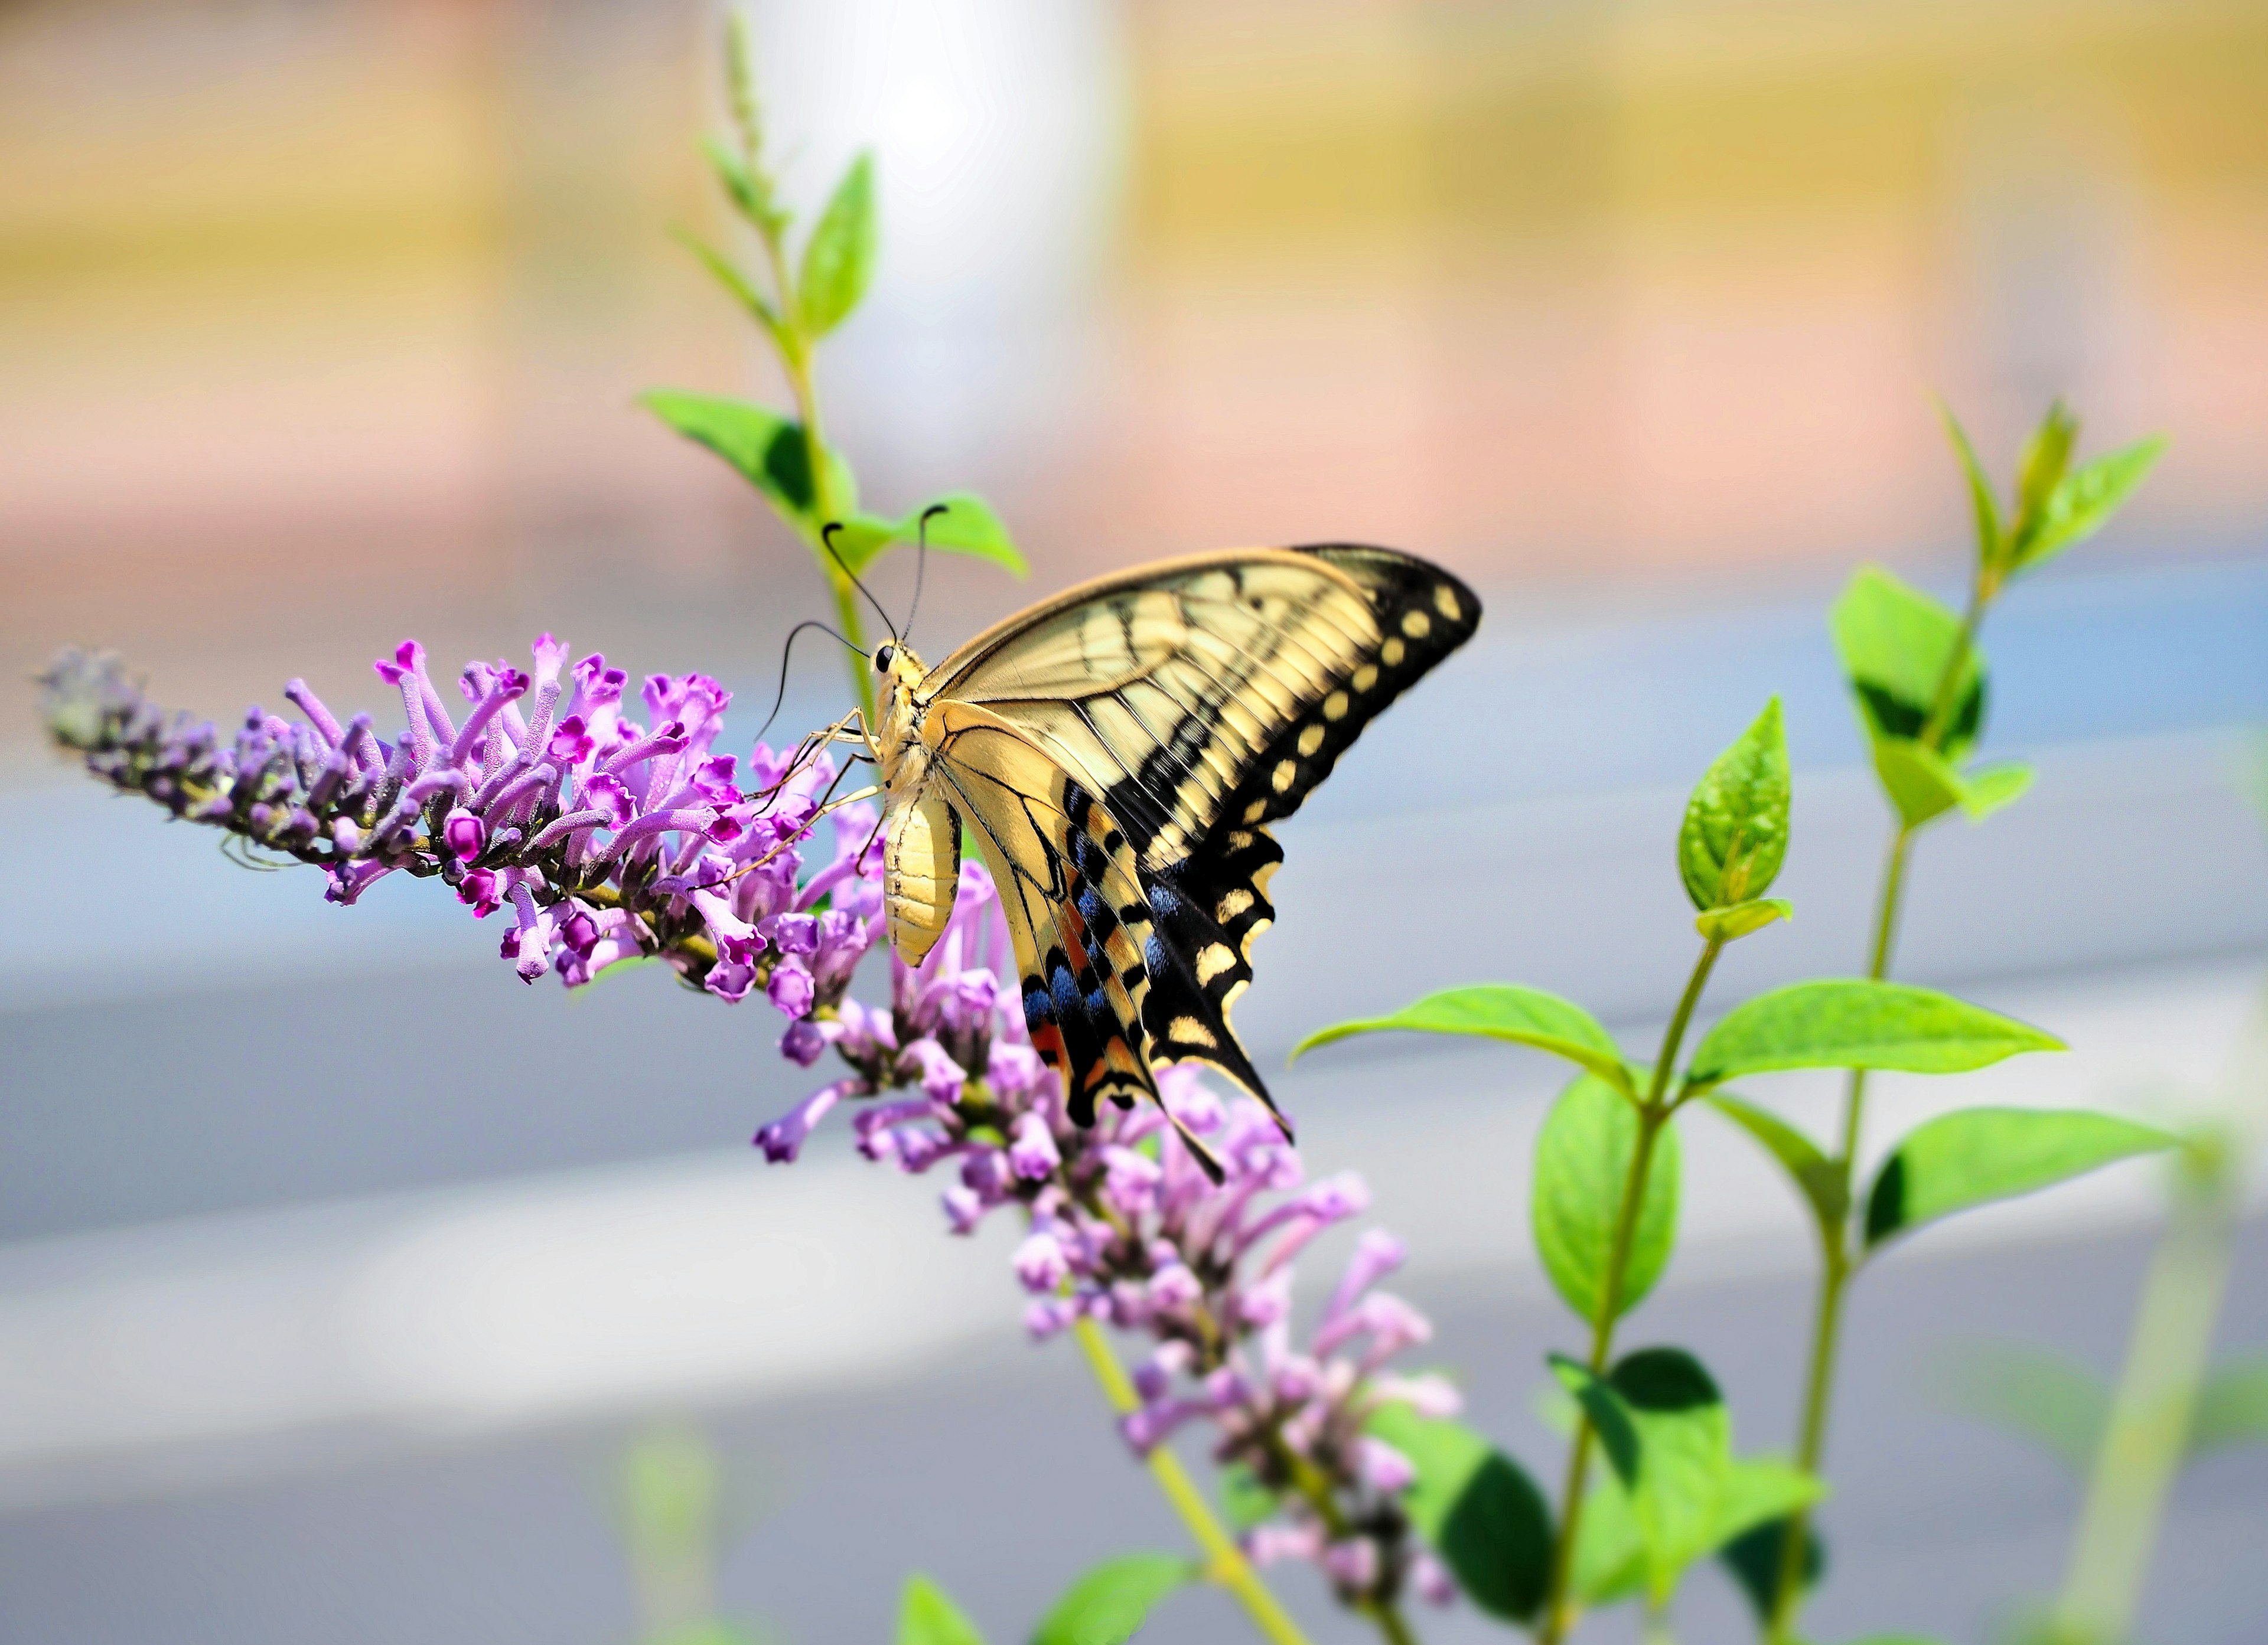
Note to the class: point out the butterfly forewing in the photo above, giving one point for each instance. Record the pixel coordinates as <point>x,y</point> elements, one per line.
<point>1120,749</point>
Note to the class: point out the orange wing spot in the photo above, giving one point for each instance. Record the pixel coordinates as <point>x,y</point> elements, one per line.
<point>1047,1040</point>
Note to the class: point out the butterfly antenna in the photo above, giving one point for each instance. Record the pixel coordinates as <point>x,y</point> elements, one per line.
<point>921,561</point>
<point>787,649</point>
<point>827,536</point>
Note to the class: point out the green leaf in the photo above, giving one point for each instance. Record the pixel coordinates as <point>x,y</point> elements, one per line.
<point>2048,1397</point>
<point>1761,1491</point>
<point>1814,1174</point>
<point>721,270</point>
<point>1856,1023</point>
<point>967,527</point>
<point>1499,1010</point>
<point>1735,836</point>
<point>1685,1459</point>
<point>1610,1418</point>
<point>1583,1158</point>
<point>1894,641</point>
<point>1756,1557</point>
<point>2085,502</point>
<point>1476,1507</point>
<point>2232,1407</point>
<point>1922,784</point>
<point>2047,457</point>
<point>1244,1502</point>
<point>927,1617</point>
<point>1986,506</point>
<point>1988,788</point>
<point>838,259</point>
<point>766,447</point>
<point>1610,1563</point>
<point>1108,1605</point>
<point>732,176</point>
<point>1981,1154</point>
<point>1738,920</point>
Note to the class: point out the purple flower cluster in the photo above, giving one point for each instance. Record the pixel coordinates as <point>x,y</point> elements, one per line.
<point>608,839</point>
<point>1124,1227</point>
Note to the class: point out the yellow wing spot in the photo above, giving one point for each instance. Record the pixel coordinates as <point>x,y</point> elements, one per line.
<point>1416,624</point>
<point>1367,675</point>
<point>1187,1031</point>
<point>1239,840</point>
<point>1287,772</point>
<point>1311,739</point>
<point>1232,904</point>
<point>1392,651</point>
<point>1254,811</point>
<point>1215,959</point>
<point>1335,706</point>
<point>1445,601</point>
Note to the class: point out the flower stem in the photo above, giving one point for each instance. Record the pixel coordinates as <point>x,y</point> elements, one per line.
<point>1836,1266</point>
<point>1654,1112</point>
<point>1225,1561</point>
<point>1315,1490</point>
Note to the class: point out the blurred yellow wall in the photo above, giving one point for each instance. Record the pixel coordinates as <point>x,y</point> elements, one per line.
<point>319,323</point>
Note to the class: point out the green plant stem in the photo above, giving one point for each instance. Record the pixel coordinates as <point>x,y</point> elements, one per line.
<point>1654,1110</point>
<point>1225,1561</point>
<point>794,349</point>
<point>1836,1266</point>
<point>2147,1434</point>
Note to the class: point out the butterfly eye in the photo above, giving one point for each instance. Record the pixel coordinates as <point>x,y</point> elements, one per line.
<point>882,658</point>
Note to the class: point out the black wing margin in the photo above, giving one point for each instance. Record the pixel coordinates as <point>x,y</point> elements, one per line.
<point>1207,908</point>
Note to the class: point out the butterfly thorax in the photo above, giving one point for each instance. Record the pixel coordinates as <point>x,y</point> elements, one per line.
<point>922,837</point>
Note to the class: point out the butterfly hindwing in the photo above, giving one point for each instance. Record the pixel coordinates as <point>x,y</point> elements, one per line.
<point>1077,914</point>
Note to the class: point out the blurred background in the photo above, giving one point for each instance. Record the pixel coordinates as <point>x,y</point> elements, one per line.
<point>338,1266</point>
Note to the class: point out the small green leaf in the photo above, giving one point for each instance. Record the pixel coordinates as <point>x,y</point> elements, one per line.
<point>1738,920</point>
<point>2048,1397</point>
<point>1476,1507</point>
<point>1976,1154</point>
<point>721,268</point>
<point>1986,506</point>
<point>1988,788</point>
<point>1244,1502</point>
<point>1685,1459</point>
<point>2085,502</point>
<point>1583,1158</point>
<point>1761,1491</point>
<point>732,176</point>
<point>2047,458</point>
<point>838,259</point>
<point>1735,836</point>
<point>2232,1407</point>
<point>1814,1174</point>
<point>1108,1605</point>
<point>927,1617</point>
<point>967,527</point>
<point>1894,641</point>
<point>1499,1010</point>
<point>1756,1559</point>
<point>1857,1024</point>
<point>1610,1418</point>
<point>1922,784</point>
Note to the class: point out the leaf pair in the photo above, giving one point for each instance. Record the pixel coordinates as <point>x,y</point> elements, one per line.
<point>1896,644</point>
<point>1675,1492</point>
<point>2056,505</point>
<point>1969,1158</point>
<point>770,451</point>
<point>1107,1606</point>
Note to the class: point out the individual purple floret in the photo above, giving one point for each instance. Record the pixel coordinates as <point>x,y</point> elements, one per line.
<point>601,839</point>
<point>1122,1225</point>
